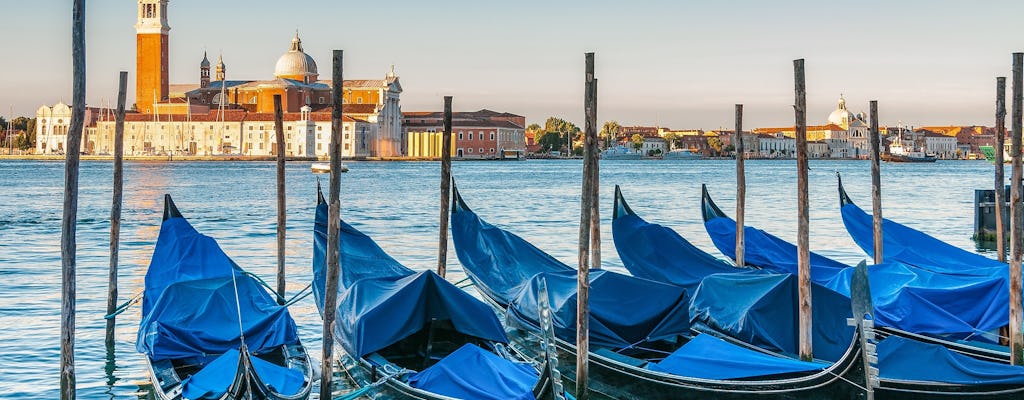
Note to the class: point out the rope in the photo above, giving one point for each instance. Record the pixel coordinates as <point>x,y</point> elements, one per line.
<point>300,295</point>
<point>124,306</point>
<point>265,284</point>
<point>238,307</point>
<point>361,391</point>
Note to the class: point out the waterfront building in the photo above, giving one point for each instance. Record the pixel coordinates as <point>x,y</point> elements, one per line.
<point>52,124</point>
<point>941,145</point>
<point>654,146</point>
<point>481,134</point>
<point>428,145</point>
<point>776,146</point>
<point>296,80</point>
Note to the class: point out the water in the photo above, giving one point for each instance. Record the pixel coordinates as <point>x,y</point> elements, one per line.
<point>396,204</point>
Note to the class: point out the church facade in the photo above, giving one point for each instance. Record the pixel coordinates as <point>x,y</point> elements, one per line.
<point>219,116</point>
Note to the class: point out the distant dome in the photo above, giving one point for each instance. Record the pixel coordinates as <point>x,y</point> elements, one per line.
<point>841,116</point>
<point>295,64</point>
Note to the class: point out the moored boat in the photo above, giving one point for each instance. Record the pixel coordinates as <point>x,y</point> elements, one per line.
<point>642,345</point>
<point>919,313</point>
<point>209,329</point>
<point>415,332</point>
<point>325,168</point>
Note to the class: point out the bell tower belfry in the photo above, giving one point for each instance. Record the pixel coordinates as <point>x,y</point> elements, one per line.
<point>151,54</point>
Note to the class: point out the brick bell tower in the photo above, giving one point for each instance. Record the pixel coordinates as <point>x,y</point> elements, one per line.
<point>151,54</point>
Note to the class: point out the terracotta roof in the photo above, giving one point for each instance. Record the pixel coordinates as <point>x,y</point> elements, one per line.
<point>485,113</point>
<point>831,127</point>
<point>464,123</point>
<point>233,116</point>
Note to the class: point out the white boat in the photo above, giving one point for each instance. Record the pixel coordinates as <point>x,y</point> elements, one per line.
<point>681,154</point>
<point>620,153</point>
<point>325,168</point>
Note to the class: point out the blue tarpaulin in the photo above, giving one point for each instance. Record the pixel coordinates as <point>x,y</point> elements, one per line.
<point>468,373</point>
<point>381,301</point>
<point>498,260</point>
<point>658,253</point>
<point>762,309</point>
<point>196,314</point>
<point>905,244</point>
<point>905,297</point>
<point>708,357</point>
<point>214,379</point>
<point>624,310</point>
<point>905,359</point>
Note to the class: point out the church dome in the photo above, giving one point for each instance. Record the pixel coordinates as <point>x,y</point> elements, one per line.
<point>296,64</point>
<point>841,116</point>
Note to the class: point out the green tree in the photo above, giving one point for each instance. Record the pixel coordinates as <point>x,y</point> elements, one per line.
<point>638,141</point>
<point>673,140</point>
<point>716,144</point>
<point>609,132</point>
<point>550,141</point>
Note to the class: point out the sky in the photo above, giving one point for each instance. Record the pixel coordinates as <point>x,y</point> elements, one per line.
<point>679,64</point>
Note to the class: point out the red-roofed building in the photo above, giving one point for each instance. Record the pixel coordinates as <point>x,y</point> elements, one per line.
<point>481,134</point>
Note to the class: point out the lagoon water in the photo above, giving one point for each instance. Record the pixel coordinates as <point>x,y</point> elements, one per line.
<point>396,203</point>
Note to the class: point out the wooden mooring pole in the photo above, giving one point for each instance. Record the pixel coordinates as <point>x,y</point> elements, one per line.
<point>446,187</point>
<point>586,200</point>
<point>1000,166</point>
<point>741,186</point>
<point>281,214</point>
<point>1016,222</point>
<point>803,218</point>
<point>115,207</point>
<point>333,230</point>
<point>70,214</point>
<point>876,182</point>
<point>595,181</point>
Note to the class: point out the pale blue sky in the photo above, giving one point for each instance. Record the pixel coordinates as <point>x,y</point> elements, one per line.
<point>674,63</point>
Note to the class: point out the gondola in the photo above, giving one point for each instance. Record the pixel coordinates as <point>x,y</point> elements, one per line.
<point>904,309</point>
<point>641,342</point>
<point>415,332</point>
<point>908,298</point>
<point>905,244</point>
<point>209,329</point>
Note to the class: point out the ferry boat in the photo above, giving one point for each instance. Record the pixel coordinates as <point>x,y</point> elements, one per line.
<point>900,153</point>
<point>620,153</point>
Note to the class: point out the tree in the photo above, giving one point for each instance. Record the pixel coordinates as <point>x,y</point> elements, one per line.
<point>609,131</point>
<point>638,141</point>
<point>716,144</point>
<point>672,138</point>
<point>534,127</point>
<point>550,141</point>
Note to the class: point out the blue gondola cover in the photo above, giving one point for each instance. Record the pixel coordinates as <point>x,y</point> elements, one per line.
<point>468,373</point>
<point>905,244</point>
<point>762,309</point>
<point>905,359</point>
<point>194,314</point>
<point>624,310</point>
<point>381,301</point>
<point>709,357</point>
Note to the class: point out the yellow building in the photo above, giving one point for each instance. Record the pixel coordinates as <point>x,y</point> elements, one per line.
<point>427,144</point>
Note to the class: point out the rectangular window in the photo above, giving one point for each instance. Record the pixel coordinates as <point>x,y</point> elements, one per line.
<point>289,127</point>
<point>460,135</point>
<point>346,146</point>
<point>319,146</point>
<point>250,127</point>
<point>481,137</point>
<point>492,135</point>
<point>321,100</point>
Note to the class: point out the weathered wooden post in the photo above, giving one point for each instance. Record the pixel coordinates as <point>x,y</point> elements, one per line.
<point>281,214</point>
<point>1000,166</point>
<point>595,182</point>
<point>1016,222</point>
<point>70,215</point>
<point>446,187</point>
<point>333,230</point>
<point>115,207</point>
<point>803,219</point>
<point>741,186</point>
<point>586,200</point>
<point>876,182</point>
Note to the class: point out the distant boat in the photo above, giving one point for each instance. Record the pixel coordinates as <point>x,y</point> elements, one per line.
<point>620,153</point>
<point>325,168</point>
<point>900,153</point>
<point>681,154</point>
<point>990,153</point>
